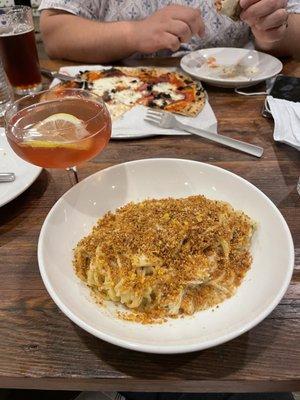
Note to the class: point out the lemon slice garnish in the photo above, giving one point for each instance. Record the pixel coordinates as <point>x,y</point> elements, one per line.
<point>60,117</point>
<point>51,145</point>
<point>60,131</point>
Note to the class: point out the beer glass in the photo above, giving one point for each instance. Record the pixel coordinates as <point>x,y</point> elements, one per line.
<point>18,49</point>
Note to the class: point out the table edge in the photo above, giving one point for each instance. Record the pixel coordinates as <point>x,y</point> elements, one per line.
<point>111,384</point>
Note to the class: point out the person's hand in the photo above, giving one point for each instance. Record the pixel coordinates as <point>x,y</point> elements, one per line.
<point>267,18</point>
<point>167,28</point>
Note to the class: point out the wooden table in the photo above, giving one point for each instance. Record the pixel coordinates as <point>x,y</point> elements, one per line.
<point>41,348</point>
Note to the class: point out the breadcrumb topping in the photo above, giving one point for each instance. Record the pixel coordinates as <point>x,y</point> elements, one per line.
<point>166,258</point>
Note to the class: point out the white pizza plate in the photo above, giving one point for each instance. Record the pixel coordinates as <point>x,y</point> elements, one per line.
<point>73,216</point>
<point>132,124</point>
<point>25,173</point>
<point>265,65</point>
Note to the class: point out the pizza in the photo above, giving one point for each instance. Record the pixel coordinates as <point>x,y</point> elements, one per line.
<point>122,88</point>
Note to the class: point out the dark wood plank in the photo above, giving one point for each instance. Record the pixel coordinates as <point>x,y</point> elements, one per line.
<point>45,341</point>
<point>41,348</point>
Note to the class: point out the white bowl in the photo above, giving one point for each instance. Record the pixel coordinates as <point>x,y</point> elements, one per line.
<point>266,65</point>
<point>73,216</point>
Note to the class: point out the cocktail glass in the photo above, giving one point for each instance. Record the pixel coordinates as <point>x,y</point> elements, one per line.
<point>58,129</point>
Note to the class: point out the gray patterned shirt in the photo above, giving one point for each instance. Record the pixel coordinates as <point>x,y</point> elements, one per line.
<point>220,31</point>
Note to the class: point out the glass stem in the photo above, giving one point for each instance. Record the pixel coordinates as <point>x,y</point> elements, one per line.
<point>72,172</point>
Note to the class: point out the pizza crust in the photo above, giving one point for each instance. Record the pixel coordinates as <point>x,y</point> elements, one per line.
<point>117,110</point>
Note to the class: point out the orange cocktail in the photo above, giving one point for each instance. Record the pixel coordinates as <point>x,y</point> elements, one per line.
<point>58,130</point>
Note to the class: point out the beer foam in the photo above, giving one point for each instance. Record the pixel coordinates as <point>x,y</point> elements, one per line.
<point>15,30</point>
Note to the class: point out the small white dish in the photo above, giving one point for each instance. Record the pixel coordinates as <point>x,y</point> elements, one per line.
<point>73,216</point>
<point>25,173</point>
<point>250,66</point>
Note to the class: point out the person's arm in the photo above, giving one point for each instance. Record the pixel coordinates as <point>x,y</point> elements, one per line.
<point>71,37</point>
<point>274,30</point>
<point>75,38</point>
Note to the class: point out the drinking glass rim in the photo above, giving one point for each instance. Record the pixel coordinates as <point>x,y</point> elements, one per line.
<point>85,122</point>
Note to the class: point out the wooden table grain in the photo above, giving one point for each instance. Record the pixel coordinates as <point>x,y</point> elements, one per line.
<point>41,348</point>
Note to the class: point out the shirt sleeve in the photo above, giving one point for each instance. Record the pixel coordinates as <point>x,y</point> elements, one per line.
<point>293,6</point>
<point>85,9</point>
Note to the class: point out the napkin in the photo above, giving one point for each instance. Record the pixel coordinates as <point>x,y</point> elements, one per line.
<point>132,124</point>
<point>286,116</point>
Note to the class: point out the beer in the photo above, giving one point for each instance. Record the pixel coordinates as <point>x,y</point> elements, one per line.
<point>20,60</point>
<point>18,50</point>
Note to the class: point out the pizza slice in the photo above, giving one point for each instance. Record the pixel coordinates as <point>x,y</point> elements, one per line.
<point>230,8</point>
<point>174,92</point>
